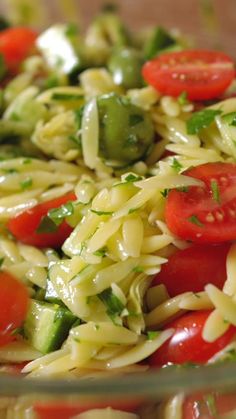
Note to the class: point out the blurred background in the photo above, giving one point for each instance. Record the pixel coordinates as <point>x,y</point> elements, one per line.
<point>210,22</point>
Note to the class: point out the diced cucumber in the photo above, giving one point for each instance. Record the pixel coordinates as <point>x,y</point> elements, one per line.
<point>47,326</point>
<point>51,295</point>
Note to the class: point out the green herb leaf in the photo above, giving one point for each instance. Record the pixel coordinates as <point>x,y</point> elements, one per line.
<point>1,262</point>
<point>10,171</point>
<point>131,210</point>
<point>66,96</point>
<point>26,183</point>
<point>27,161</point>
<point>78,117</point>
<point>194,220</point>
<point>112,302</point>
<point>211,405</point>
<point>131,177</point>
<point>183,98</point>
<point>215,191</point>
<point>176,165</point>
<point>131,141</point>
<point>46,225</point>
<point>151,335</point>
<point>165,192</point>
<point>101,252</point>
<point>201,119</point>
<point>57,215</point>
<point>71,29</point>
<point>102,212</point>
<point>138,269</point>
<point>76,139</point>
<point>230,118</point>
<point>183,189</point>
<point>135,119</point>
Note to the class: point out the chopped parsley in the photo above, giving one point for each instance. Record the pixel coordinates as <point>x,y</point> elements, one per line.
<point>57,215</point>
<point>26,183</point>
<point>101,252</point>
<point>176,165</point>
<point>194,220</point>
<point>101,212</point>
<point>131,177</point>
<point>10,171</point>
<point>211,404</point>
<point>131,210</point>
<point>183,189</point>
<point>66,96</point>
<point>71,29</point>
<point>112,302</point>
<point>230,118</point>
<point>27,161</point>
<point>135,119</point>
<point>1,262</point>
<point>201,119</point>
<point>183,98</point>
<point>215,191</point>
<point>151,335</point>
<point>165,192</point>
<point>131,141</point>
<point>138,269</point>
<point>47,225</point>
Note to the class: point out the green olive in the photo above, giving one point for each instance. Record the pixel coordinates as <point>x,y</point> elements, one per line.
<point>126,131</point>
<point>125,64</point>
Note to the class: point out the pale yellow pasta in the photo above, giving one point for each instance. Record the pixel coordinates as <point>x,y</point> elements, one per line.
<point>103,233</point>
<point>214,327</point>
<point>224,303</point>
<point>196,301</point>
<point>153,243</point>
<point>18,352</point>
<point>145,97</point>
<point>170,106</point>
<point>168,182</point>
<point>98,81</point>
<point>230,283</point>
<point>90,134</point>
<point>37,275</point>
<point>104,334</point>
<point>164,312</point>
<point>139,352</point>
<point>174,407</point>
<point>107,413</point>
<point>156,295</point>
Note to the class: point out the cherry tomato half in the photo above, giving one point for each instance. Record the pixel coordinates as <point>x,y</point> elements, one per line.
<point>187,344</point>
<point>15,45</point>
<point>24,226</point>
<point>14,302</point>
<point>205,214</point>
<point>193,268</point>
<point>208,405</point>
<point>202,74</point>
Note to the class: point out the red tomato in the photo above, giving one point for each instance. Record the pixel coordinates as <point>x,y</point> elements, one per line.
<point>205,214</point>
<point>24,226</point>
<point>187,344</point>
<point>208,406</point>
<point>15,45</point>
<point>202,74</point>
<point>14,301</point>
<point>67,411</point>
<point>193,268</point>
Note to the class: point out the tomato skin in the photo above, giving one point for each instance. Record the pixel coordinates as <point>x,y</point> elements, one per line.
<point>217,219</point>
<point>14,301</point>
<point>202,74</point>
<point>196,406</point>
<point>15,45</point>
<point>187,344</point>
<point>24,226</point>
<point>193,268</point>
<point>67,411</point>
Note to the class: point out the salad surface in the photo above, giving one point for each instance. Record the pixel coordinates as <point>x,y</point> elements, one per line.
<point>117,205</point>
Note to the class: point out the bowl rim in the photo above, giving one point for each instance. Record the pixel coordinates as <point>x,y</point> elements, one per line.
<point>153,384</point>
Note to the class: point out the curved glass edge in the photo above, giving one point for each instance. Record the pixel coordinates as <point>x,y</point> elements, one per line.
<point>153,384</point>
